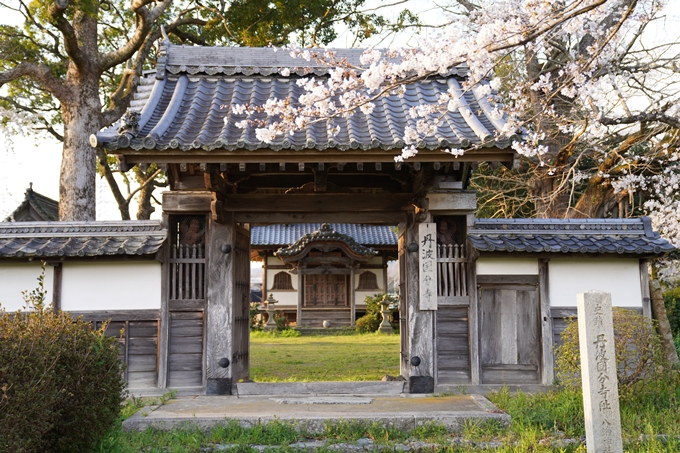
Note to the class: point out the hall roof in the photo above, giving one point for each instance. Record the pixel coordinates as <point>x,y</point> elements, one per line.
<point>35,207</point>
<point>185,104</point>
<point>79,239</point>
<point>274,236</point>
<point>602,236</point>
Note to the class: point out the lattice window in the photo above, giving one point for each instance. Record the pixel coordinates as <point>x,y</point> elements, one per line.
<point>368,280</point>
<point>187,257</point>
<point>282,281</point>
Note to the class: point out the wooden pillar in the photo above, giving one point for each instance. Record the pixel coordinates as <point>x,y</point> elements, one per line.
<point>264,277</point>
<point>352,295</point>
<point>164,324</point>
<point>421,322</point>
<point>384,268</point>
<point>218,322</point>
<point>473,316</point>
<point>56,287</point>
<point>404,337</point>
<point>644,286</point>
<point>300,293</point>
<point>548,355</point>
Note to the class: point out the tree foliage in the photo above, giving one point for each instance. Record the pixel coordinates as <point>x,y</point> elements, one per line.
<point>73,66</point>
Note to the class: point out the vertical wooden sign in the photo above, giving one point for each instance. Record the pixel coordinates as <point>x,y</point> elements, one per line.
<point>427,260</point>
<point>598,372</point>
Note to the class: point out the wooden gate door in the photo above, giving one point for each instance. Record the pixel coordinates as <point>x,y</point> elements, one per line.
<point>241,305</point>
<point>510,334</point>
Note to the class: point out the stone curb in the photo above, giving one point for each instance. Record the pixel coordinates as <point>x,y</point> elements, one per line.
<point>453,422</point>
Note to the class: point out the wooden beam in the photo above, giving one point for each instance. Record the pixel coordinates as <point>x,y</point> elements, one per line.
<point>508,279</point>
<point>117,315</point>
<point>317,202</point>
<point>375,217</point>
<point>186,202</point>
<point>547,354</point>
<point>308,155</point>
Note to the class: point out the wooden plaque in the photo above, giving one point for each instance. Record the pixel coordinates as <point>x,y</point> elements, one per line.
<point>427,262</point>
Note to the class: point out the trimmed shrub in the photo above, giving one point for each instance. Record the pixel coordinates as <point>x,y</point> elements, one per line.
<point>61,383</point>
<point>639,354</point>
<point>367,323</point>
<point>371,321</point>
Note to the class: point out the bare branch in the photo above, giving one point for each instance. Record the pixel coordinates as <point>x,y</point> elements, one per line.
<point>643,118</point>
<point>123,203</point>
<point>71,45</point>
<point>41,74</point>
<point>145,20</point>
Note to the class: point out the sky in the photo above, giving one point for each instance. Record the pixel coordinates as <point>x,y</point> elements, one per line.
<point>37,160</point>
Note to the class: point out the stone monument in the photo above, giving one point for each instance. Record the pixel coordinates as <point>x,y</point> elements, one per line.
<point>598,372</point>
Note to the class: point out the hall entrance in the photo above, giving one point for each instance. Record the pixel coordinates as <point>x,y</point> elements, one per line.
<point>325,299</point>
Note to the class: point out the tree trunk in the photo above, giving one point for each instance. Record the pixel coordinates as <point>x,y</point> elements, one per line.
<point>145,209</point>
<point>663,326</point>
<point>549,200</point>
<point>77,196</point>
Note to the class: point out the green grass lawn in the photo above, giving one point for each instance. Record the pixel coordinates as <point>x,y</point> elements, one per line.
<point>308,358</point>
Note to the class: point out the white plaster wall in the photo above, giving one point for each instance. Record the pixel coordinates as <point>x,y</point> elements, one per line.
<point>274,261</point>
<point>111,286</point>
<point>620,277</point>
<point>507,266</point>
<point>285,298</point>
<point>18,277</point>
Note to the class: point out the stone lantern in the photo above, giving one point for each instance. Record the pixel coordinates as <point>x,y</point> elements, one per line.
<point>271,324</point>
<point>385,326</point>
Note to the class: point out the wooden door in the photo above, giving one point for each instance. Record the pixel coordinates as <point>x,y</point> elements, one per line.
<point>510,334</point>
<point>325,291</point>
<point>241,305</point>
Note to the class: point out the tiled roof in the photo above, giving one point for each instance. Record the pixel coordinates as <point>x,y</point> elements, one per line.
<point>46,207</point>
<point>616,236</point>
<point>284,235</point>
<point>185,105</point>
<point>323,234</point>
<point>76,239</point>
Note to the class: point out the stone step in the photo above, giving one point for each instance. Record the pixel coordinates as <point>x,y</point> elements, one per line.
<point>315,318</point>
<point>319,388</point>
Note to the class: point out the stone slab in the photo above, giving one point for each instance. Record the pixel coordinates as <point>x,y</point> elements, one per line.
<point>324,400</point>
<point>404,413</point>
<point>319,388</point>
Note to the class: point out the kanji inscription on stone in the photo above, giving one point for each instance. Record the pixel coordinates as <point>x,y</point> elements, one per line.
<point>598,372</point>
<point>427,259</point>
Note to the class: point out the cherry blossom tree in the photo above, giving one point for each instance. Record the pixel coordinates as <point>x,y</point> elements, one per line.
<point>595,101</point>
